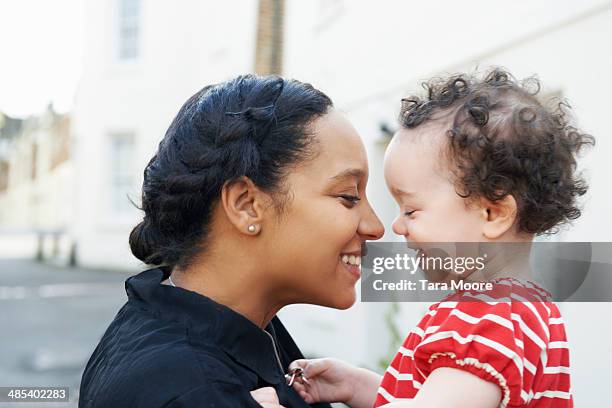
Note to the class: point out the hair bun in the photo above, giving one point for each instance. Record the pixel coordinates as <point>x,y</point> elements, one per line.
<point>145,245</point>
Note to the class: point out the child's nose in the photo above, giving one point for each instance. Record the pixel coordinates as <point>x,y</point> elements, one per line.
<point>399,226</point>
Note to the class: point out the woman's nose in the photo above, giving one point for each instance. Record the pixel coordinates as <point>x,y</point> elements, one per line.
<point>370,226</point>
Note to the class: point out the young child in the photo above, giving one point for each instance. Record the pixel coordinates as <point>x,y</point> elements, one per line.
<point>476,160</point>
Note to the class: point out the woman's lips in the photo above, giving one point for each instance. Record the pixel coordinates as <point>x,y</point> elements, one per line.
<point>352,263</point>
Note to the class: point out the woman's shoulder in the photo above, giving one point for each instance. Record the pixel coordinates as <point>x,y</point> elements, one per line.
<point>142,356</point>
<point>144,338</point>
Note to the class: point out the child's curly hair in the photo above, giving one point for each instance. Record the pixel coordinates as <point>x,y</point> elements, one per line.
<point>502,141</point>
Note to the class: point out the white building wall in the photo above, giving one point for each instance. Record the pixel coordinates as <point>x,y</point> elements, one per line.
<point>43,203</point>
<point>181,51</point>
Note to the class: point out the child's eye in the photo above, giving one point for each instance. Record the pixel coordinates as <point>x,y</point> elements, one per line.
<point>350,199</point>
<point>409,213</point>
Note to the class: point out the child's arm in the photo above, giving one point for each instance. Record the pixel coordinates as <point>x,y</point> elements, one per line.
<point>451,387</point>
<point>333,380</point>
<point>366,387</point>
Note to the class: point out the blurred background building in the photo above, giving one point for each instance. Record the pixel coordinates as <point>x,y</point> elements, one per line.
<point>36,181</point>
<point>66,180</point>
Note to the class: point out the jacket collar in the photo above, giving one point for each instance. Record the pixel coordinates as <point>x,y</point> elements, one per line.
<point>214,323</point>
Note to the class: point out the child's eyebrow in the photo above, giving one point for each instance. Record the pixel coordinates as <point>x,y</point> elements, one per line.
<point>399,192</point>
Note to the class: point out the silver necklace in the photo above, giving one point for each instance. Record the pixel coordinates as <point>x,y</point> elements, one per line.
<point>170,280</point>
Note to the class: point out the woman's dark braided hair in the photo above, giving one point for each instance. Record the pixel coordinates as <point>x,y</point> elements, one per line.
<point>248,126</point>
<point>501,140</point>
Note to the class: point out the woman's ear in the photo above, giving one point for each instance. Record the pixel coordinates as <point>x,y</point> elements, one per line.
<point>243,205</point>
<point>500,216</point>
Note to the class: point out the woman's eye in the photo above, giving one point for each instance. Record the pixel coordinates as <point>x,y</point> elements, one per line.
<point>350,199</point>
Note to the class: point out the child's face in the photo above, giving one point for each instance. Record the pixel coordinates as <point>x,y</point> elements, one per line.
<point>420,181</point>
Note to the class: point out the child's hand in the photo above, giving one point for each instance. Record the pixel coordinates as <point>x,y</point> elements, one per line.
<point>325,380</point>
<point>266,397</point>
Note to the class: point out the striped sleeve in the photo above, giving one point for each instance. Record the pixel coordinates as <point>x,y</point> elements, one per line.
<point>500,342</point>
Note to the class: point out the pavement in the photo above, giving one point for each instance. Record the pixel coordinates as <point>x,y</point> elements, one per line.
<point>51,319</point>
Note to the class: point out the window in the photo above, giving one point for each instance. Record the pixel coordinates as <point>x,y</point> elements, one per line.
<point>121,174</point>
<point>129,29</point>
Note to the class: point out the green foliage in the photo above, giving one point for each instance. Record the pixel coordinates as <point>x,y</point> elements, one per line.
<point>395,338</point>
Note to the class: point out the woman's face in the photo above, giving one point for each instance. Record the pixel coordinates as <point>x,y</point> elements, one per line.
<point>317,241</point>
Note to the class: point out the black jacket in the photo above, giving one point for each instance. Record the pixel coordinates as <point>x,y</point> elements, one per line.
<point>169,347</point>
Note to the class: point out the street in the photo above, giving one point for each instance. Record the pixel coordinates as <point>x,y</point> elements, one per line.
<point>51,320</point>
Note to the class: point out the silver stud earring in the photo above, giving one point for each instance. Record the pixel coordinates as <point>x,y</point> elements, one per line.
<point>252,228</point>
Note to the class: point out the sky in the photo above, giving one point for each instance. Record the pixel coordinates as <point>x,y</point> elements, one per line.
<point>41,54</point>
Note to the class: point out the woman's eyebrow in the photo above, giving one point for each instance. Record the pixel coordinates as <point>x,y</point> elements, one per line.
<point>349,173</point>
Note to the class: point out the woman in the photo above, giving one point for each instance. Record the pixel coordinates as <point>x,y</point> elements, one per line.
<point>254,200</point>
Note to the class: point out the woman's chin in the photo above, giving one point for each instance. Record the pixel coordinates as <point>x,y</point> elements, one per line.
<point>345,300</point>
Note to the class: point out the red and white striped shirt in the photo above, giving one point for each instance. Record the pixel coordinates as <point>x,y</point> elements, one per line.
<point>513,336</point>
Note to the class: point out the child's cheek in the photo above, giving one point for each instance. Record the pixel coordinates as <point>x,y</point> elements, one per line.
<point>417,231</point>
<point>428,228</point>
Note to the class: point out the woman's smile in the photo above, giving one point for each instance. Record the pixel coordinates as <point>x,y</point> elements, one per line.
<point>352,263</point>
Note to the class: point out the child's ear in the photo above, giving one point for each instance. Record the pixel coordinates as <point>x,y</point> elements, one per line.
<point>243,205</point>
<point>499,216</point>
